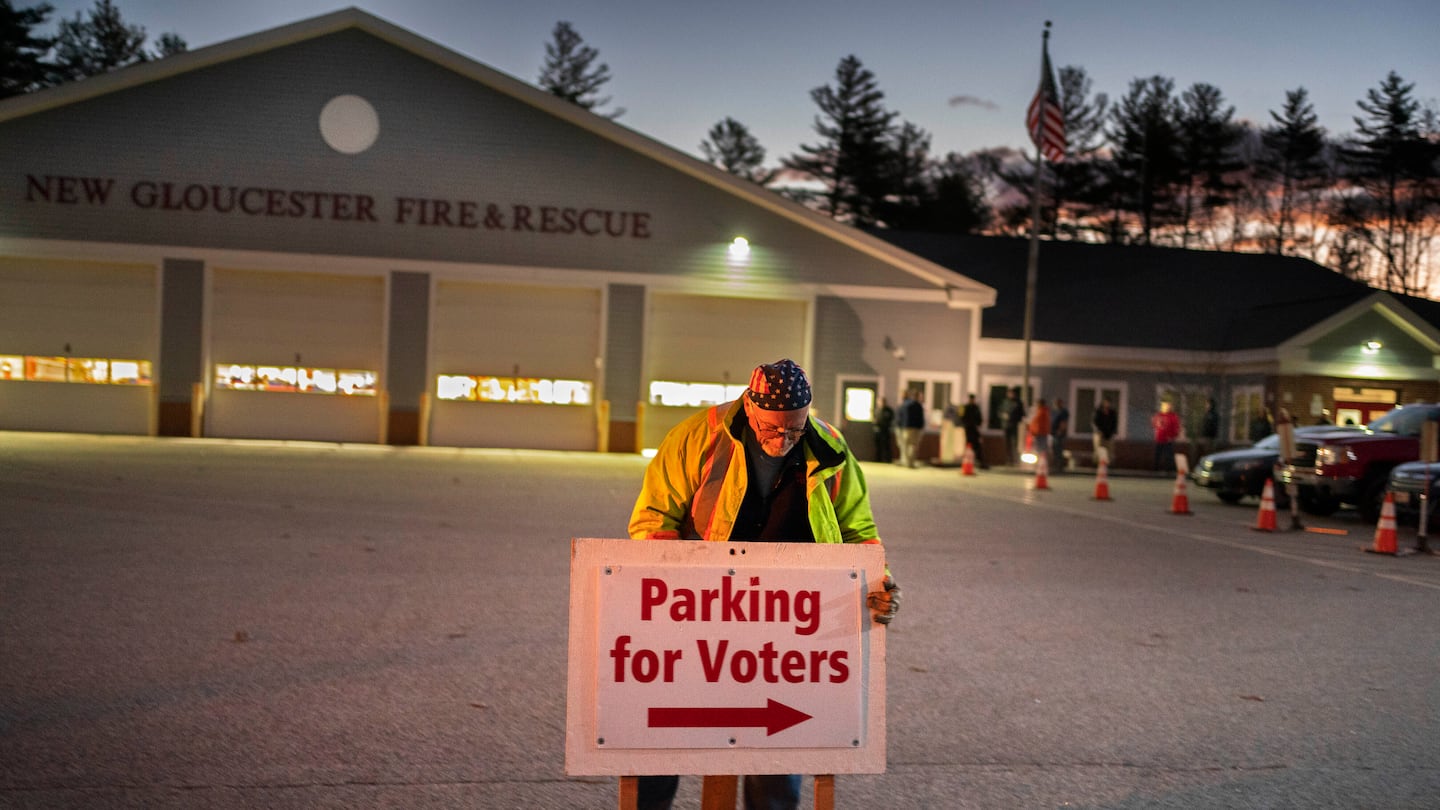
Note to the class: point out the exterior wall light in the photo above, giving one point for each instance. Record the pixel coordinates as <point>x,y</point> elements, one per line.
<point>739,249</point>
<point>1372,346</point>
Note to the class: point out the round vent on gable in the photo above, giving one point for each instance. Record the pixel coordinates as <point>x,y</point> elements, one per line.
<point>349,124</point>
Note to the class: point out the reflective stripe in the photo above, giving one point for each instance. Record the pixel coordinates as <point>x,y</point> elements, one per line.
<point>703,511</point>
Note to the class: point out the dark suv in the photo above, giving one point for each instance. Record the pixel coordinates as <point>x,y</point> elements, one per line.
<point>1352,468</point>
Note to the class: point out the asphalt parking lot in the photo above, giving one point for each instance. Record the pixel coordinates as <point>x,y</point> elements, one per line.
<point>192,623</point>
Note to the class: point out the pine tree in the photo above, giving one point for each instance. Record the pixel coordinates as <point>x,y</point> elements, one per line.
<point>850,159</point>
<point>1208,136</point>
<point>1294,154</point>
<point>97,43</point>
<point>22,51</point>
<point>730,146</point>
<point>1145,143</point>
<point>570,72</point>
<point>1393,167</point>
<point>169,44</point>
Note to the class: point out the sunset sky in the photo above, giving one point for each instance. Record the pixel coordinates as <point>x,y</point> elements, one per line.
<point>962,70</point>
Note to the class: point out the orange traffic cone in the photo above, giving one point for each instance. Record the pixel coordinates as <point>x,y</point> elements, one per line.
<point>967,467</point>
<point>1041,482</point>
<point>1266,521</point>
<point>1102,482</point>
<point>1179,501</point>
<point>1385,529</point>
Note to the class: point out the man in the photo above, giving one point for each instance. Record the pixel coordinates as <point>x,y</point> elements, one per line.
<point>1105,423</point>
<point>884,431</point>
<point>1167,429</point>
<point>1059,432</point>
<point>912,427</point>
<point>1014,419</point>
<point>971,419</point>
<point>760,468</point>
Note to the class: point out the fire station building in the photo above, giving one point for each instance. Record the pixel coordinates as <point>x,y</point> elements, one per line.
<point>340,231</point>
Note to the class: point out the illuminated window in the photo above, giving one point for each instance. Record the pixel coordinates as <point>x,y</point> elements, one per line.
<point>235,377</point>
<point>674,394</point>
<point>93,370</point>
<point>529,390</point>
<point>860,404</point>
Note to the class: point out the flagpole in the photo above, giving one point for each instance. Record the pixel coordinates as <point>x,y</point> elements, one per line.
<point>1032,271</point>
<point>1032,265</point>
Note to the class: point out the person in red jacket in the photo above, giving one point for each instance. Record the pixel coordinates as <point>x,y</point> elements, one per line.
<point>1167,429</point>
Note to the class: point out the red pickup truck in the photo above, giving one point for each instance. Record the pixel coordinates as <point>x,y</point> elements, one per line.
<point>1352,467</point>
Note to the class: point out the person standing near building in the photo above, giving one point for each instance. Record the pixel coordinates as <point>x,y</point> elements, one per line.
<point>761,468</point>
<point>884,431</point>
<point>1166,424</point>
<point>1040,429</point>
<point>971,419</point>
<point>1059,431</point>
<point>912,427</point>
<point>1014,419</point>
<point>1103,426</point>
<point>1209,429</point>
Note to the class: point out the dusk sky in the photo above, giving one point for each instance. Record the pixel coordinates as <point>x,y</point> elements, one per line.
<point>962,70</point>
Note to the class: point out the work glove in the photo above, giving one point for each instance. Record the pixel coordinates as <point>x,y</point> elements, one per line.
<point>885,603</point>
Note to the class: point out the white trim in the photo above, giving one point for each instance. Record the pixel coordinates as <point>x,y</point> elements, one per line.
<point>1005,352</point>
<point>447,270</point>
<point>1381,302</point>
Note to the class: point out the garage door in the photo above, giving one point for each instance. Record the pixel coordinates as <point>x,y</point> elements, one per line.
<point>78,343</point>
<point>295,356</point>
<point>514,365</point>
<point>707,346</point>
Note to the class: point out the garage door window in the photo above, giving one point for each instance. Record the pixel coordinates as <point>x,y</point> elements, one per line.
<point>295,380</point>
<point>670,393</point>
<point>94,370</point>
<point>523,390</point>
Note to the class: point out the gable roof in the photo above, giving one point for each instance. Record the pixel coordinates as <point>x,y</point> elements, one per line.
<point>958,289</point>
<point>1152,297</point>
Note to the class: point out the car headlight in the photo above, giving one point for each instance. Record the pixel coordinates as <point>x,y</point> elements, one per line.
<point>1333,455</point>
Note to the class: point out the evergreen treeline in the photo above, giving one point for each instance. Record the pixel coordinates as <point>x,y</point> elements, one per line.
<point>1158,165</point>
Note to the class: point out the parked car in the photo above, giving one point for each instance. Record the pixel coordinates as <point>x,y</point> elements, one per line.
<point>1242,472</point>
<point>1354,468</point>
<point>1410,479</point>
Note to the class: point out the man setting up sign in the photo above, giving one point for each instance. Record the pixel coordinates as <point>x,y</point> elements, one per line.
<point>761,468</point>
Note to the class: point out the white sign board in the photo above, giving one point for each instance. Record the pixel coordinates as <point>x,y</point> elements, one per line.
<point>706,658</point>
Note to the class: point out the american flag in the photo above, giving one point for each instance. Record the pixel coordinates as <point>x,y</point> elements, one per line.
<point>1044,119</point>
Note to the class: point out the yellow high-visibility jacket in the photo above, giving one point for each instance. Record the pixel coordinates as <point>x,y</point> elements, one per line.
<point>695,484</point>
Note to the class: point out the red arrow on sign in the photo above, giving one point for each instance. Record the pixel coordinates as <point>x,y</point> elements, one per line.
<point>774,717</point>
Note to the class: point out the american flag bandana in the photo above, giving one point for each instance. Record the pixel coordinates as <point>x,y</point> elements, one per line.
<point>779,386</point>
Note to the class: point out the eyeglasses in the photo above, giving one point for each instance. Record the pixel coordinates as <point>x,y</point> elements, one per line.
<point>778,433</point>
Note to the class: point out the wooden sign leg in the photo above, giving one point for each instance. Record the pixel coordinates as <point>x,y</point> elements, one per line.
<point>719,793</point>
<point>825,791</point>
<point>629,792</point>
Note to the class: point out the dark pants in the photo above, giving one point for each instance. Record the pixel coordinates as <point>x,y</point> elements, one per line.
<point>883,452</point>
<point>769,792</point>
<point>972,438</point>
<point>1165,456</point>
